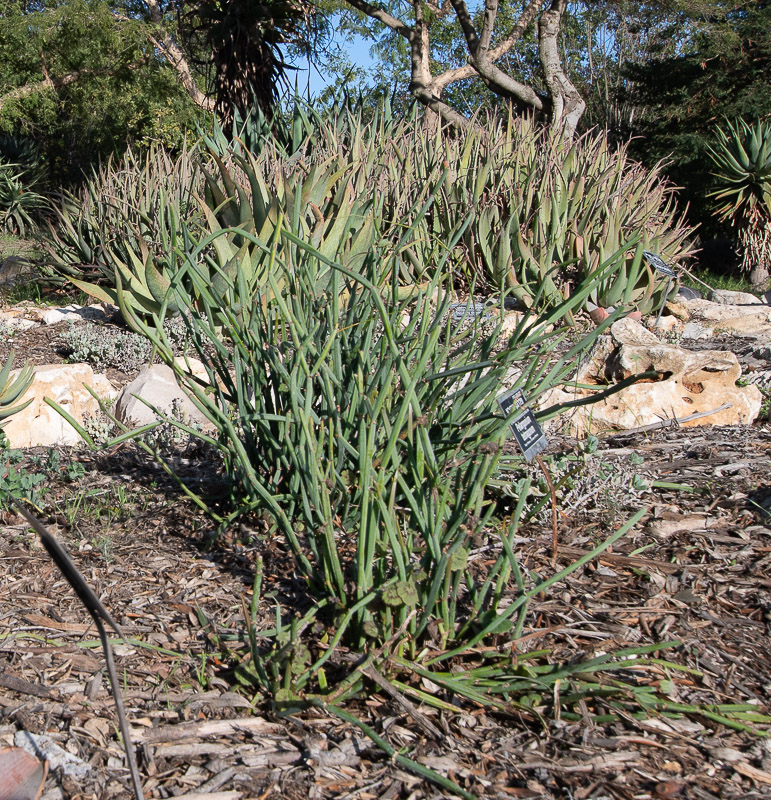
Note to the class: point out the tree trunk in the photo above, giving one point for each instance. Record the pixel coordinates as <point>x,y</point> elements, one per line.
<point>759,277</point>
<point>567,103</point>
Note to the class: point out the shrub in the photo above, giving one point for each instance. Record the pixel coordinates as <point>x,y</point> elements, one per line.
<point>109,347</point>
<point>365,426</point>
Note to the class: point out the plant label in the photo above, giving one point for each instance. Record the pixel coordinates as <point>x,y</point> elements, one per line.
<point>658,263</point>
<point>472,311</point>
<point>528,433</point>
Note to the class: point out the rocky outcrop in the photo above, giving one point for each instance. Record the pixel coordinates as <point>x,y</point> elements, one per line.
<point>689,383</point>
<point>155,386</point>
<point>724,297</point>
<point>706,318</point>
<point>39,425</point>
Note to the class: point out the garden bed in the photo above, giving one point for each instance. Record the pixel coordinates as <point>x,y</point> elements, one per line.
<point>694,572</point>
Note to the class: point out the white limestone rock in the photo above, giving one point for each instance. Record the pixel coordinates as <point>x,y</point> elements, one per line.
<point>157,386</point>
<point>669,325</point>
<point>693,382</point>
<point>74,313</point>
<point>750,320</point>
<point>728,298</point>
<point>39,425</point>
<point>16,320</point>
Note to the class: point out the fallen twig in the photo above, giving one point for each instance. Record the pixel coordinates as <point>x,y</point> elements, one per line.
<point>673,421</point>
<point>407,705</point>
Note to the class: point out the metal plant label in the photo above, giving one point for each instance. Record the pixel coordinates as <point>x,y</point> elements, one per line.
<point>658,263</point>
<point>471,311</point>
<point>525,427</point>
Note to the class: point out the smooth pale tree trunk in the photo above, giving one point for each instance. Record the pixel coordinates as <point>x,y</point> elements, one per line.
<point>564,106</point>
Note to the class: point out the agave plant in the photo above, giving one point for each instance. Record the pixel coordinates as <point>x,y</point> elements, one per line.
<point>742,159</point>
<point>12,390</point>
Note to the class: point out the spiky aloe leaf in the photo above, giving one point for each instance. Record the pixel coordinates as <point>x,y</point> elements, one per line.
<point>12,390</point>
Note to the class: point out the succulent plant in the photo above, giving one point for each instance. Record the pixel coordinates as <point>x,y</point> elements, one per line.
<point>126,209</point>
<point>546,214</point>
<point>20,204</point>
<point>12,390</point>
<point>742,159</point>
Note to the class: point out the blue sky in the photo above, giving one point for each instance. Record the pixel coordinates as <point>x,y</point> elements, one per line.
<point>357,51</point>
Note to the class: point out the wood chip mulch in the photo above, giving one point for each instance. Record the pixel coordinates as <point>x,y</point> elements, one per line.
<point>696,570</point>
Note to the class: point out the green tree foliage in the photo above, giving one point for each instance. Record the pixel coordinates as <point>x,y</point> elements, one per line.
<point>723,73</point>
<point>83,80</point>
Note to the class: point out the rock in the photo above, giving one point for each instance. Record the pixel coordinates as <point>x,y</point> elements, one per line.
<point>678,308</point>
<point>512,319</point>
<point>695,331</point>
<point>157,386</point>
<point>39,425</point>
<point>194,367</point>
<point>16,269</point>
<point>52,316</point>
<point>692,382</point>
<point>46,749</point>
<point>16,320</point>
<point>631,331</point>
<point>726,298</point>
<point>753,320</point>
<point>762,351</point>
<point>669,325</point>
<point>689,293</point>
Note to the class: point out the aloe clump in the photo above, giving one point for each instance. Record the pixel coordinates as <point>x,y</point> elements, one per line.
<point>119,233</point>
<point>742,159</point>
<point>20,205</point>
<point>547,213</point>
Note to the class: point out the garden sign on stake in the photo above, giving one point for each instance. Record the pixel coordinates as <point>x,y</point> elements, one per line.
<point>532,441</point>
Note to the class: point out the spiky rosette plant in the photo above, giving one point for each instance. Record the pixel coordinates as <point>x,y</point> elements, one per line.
<point>742,159</point>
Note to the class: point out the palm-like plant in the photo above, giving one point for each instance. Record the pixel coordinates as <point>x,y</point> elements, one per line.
<point>239,45</point>
<point>742,158</point>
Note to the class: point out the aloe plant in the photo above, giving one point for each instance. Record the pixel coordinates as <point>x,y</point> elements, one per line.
<point>549,212</point>
<point>742,159</point>
<point>125,209</point>
<point>12,390</point>
<point>20,205</point>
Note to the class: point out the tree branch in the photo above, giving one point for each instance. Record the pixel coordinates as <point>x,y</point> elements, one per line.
<point>529,13</point>
<point>481,59</point>
<point>174,56</point>
<point>445,111</point>
<point>466,25</point>
<point>380,15</point>
<point>61,81</point>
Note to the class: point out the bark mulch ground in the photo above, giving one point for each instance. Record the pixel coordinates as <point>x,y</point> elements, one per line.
<point>695,570</point>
